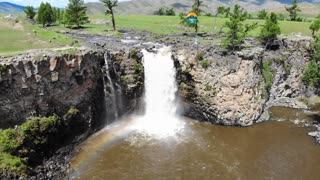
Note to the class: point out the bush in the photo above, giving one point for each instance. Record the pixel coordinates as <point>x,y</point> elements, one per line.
<point>311,75</point>
<point>199,56</point>
<point>205,64</point>
<point>10,140</point>
<point>3,67</point>
<point>33,139</point>
<point>133,53</point>
<point>12,163</point>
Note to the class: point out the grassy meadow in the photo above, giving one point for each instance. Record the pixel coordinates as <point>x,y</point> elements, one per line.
<point>20,36</point>
<point>170,24</point>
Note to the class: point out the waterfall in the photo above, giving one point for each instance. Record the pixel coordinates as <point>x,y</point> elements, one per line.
<point>160,94</point>
<point>110,93</point>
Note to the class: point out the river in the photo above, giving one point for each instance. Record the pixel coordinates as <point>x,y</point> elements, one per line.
<point>162,145</point>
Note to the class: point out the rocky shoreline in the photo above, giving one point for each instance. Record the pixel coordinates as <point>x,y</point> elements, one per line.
<point>221,87</point>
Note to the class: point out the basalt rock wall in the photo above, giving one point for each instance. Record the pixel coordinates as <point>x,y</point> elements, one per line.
<point>51,84</point>
<point>231,88</point>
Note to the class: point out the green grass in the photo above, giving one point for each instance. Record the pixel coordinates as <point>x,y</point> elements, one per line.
<point>20,40</point>
<point>23,38</point>
<point>170,24</point>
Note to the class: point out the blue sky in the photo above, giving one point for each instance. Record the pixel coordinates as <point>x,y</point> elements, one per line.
<point>36,3</point>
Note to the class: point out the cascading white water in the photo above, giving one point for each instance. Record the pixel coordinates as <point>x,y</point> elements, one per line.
<point>160,95</point>
<point>112,95</point>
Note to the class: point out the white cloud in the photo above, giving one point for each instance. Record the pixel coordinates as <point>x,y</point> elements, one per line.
<point>36,3</point>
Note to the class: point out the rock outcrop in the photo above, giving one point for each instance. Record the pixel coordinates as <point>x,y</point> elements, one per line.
<point>231,88</point>
<point>51,84</point>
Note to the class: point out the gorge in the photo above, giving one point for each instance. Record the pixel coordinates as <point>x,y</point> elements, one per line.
<point>135,95</point>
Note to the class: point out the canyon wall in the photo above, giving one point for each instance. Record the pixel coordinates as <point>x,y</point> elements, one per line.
<point>36,85</point>
<point>237,88</point>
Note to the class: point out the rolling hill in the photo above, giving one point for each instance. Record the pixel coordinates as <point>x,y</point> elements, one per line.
<point>142,7</point>
<point>9,8</point>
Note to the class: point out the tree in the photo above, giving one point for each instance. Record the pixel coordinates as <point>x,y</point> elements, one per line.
<point>262,14</point>
<point>196,7</point>
<point>75,13</point>
<point>311,75</point>
<point>170,12</point>
<point>227,12</point>
<point>315,26</point>
<point>281,17</point>
<point>56,14</point>
<point>220,10</point>
<point>110,4</point>
<point>270,30</point>
<point>45,14</point>
<point>30,12</point>
<point>293,10</point>
<point>162,12</point>
<point>237,30</point>
<point>223,11</point>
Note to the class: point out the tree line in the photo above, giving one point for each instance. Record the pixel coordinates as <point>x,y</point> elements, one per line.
<point>74,15</point>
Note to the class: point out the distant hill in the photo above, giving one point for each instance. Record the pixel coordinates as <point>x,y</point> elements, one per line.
<point>307,10</point>
<point>9,8</point>
<point>148,7</point>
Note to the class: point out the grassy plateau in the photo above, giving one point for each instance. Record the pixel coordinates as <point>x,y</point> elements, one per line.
<point>22,35</point>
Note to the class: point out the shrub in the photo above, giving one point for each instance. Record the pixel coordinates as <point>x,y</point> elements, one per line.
<point>3,67</point>
<point>133,53</point>
<point>267,74</point>
<point>311,75</point>
<point>10,140</point>
<point>12,163</point>
<point>205,64</point>
<point>199,56</point>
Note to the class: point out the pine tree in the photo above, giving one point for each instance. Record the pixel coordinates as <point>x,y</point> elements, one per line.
<point>75,13</point>
<point>237,31</point>
<point>45,14</point>
<point>30,13</point>
<point>110,4</point>
<point>270,30</point>
<point>196,7</point>
<point>293,10</point>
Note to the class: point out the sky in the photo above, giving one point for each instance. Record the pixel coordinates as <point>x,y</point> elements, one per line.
<point>36,3</point>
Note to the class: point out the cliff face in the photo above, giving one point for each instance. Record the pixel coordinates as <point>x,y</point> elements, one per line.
<point>46,85</point>
<point>237,88</point>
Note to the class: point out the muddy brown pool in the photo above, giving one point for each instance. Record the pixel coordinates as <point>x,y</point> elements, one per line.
<point>270,150</point>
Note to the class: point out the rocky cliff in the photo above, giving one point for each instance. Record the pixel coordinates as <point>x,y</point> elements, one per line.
<point>237,88</point>
<point>42,85</point>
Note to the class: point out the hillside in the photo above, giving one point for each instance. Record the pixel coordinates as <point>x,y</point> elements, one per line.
<point>6,8</point>
<point>147,7</point>
<point>307,10</point>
